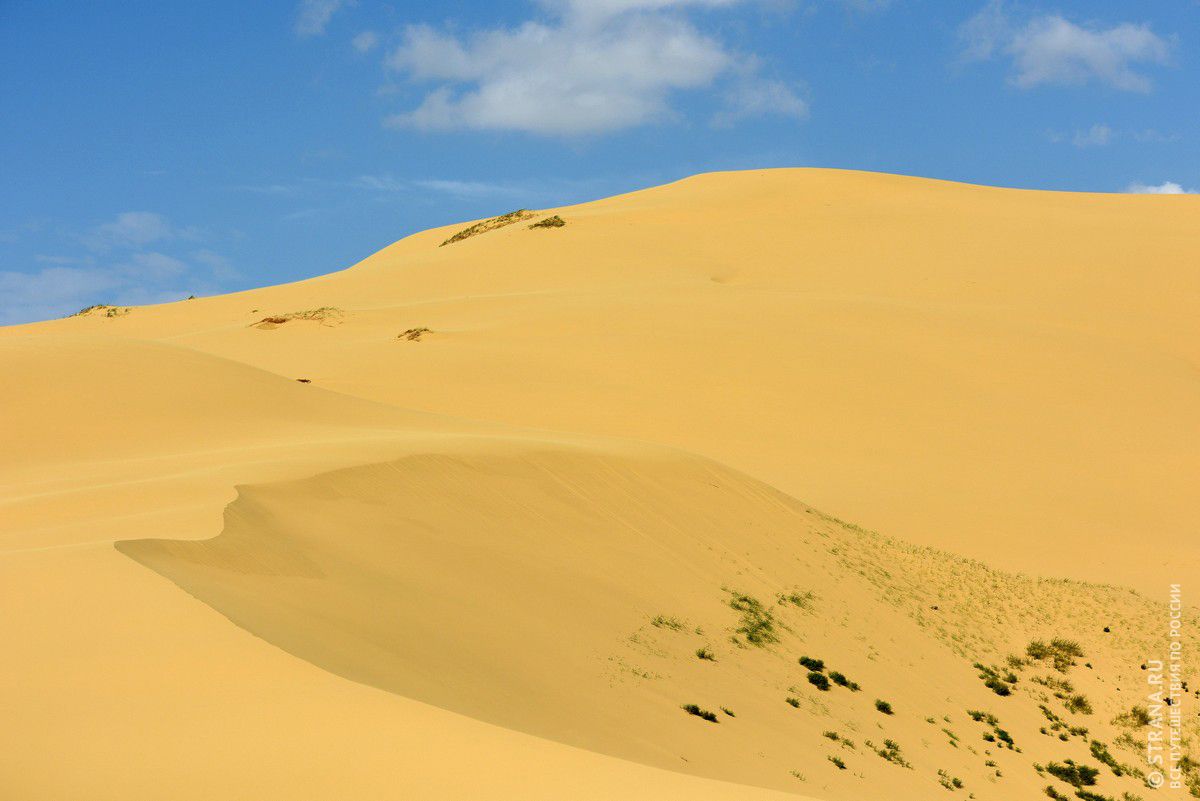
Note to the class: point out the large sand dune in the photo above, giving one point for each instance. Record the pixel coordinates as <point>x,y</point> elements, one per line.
<point>486,546</point>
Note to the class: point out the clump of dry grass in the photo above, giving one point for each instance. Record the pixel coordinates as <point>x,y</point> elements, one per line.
<point>415,334</point>
<point>108,311</point>
<point>489,225</point>
<point>321,315</point>
<point>550,222</point>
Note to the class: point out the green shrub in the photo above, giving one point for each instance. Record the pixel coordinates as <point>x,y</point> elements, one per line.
<point>692,709</point>
<point>1079,704</point>
<point>1101,754</point>
<point>840,680</point>
<point>884,707</point>
<point>812,664</point>
<point>819,681</point>
<point>1073,774</point>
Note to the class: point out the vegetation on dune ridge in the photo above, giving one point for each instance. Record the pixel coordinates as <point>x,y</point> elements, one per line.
<point>553,221</point>
<point>489,225</point>
<point>107,310</point>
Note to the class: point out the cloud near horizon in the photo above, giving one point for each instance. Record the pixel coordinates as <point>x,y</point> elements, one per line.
<point>124,266</point>
<point>587,68</point>
<point>1165,188</point>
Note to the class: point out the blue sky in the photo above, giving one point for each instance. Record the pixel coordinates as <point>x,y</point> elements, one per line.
<point>154,150</point>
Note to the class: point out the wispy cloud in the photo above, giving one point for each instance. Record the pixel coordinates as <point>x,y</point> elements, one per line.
<point>313,16</point>
<point>365,42</point>
<point>589,68</point>
<point>1096,136</point>
<point>129,228</point>
<point>268,189</point>
<point>58,291</point>
<point>757,98</point>
<point>126,263</point>
<point>1165,188</point>
<point>1051,50</point>
<point>390,184</point>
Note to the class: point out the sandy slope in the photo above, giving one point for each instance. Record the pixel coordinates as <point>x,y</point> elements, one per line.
<point>451,524</point>
<point>962,366</point>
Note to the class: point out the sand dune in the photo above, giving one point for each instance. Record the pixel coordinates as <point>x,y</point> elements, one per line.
<point>912,355</point>
<point>563,562</point>
<point>481,560</point>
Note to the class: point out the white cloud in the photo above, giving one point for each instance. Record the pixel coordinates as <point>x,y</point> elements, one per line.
<point>312,16</point>
<point>1052,50</point>
<point>594,66</point>
<point>1096,136</point>
<point>1165,188</point>
<point>365,41</point>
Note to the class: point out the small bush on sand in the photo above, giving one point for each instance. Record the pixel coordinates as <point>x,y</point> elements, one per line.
<point>884,707</point>
<point>818,680</point>
<point>704,714</point>
<point>1073,774</point>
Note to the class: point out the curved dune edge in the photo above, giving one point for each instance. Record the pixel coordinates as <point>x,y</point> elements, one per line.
<point>521,588</point>
<point>125,689</point>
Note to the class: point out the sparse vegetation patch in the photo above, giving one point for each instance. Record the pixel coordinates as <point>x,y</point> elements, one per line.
<point>553,221</point>
<point>1059,652</point>
<point>489,225</point>
<point>757,623</point>
<point>102,309</point>
<point>321,315</point>
<point>414,334</point>
<point>891,752</point>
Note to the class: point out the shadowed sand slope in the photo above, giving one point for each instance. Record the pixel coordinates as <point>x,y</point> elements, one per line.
<point>963,366</point>
<point>567,593</point>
